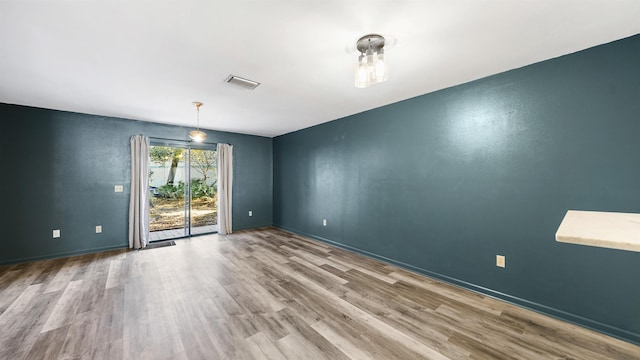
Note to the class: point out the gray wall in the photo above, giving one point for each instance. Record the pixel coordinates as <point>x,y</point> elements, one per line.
<point>443,182</point>
<point>59,170</point>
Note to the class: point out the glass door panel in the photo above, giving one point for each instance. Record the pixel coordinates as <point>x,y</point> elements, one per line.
<point>167,210</point>
<point>203,190</point>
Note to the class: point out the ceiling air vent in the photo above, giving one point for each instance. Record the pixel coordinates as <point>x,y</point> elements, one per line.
<point>242,82</point>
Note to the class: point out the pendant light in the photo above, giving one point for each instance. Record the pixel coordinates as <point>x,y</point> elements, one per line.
<point>371,67</point>
<point>197,135</point>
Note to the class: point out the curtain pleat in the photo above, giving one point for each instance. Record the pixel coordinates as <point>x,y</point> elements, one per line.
<point>225,187</point>
<point>139,200</point>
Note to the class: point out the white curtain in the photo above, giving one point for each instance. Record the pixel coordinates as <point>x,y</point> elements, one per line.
<point>225,187</point>
<point>139,201</point>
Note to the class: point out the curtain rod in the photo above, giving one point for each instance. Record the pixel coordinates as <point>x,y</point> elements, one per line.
<point>185,141</point>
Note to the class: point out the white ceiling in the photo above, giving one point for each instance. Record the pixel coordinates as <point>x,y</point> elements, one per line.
<point>149,59</point>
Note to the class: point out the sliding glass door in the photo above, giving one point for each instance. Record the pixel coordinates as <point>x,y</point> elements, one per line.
<point>182,186</point>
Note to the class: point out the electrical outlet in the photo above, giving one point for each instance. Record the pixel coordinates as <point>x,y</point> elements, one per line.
<point>324,222</point>
<point>500,261</point>
<point>56,233</point>
<point>250,213</point>
<point>98,229</point>
<point>118,188</point>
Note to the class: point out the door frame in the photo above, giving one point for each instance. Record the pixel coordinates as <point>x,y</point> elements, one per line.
<point>187,146</point>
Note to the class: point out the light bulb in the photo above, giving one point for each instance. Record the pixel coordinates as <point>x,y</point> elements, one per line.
<point>361,73</point>
<point>381,70</point>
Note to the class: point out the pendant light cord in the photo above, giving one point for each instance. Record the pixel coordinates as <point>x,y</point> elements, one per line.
<point>197,104</point>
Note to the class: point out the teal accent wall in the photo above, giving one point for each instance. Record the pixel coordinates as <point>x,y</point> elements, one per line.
<point>59,170</point>
<point>443,182</point>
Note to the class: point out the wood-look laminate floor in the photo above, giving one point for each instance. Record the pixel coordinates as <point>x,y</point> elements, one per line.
<point>265,294</point>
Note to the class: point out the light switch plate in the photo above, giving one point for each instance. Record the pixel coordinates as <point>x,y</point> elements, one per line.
<point>98,229</point>
<point>250,213</point>
<point>500,261</point>
<point>56,233</point>
<point>118,188</point>
<point>324,222</point>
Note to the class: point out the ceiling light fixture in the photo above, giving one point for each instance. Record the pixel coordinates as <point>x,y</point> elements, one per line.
<point>197,135</point>
<point>371,68</point>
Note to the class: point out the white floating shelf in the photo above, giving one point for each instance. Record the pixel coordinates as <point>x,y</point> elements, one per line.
<point>603,229</point>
